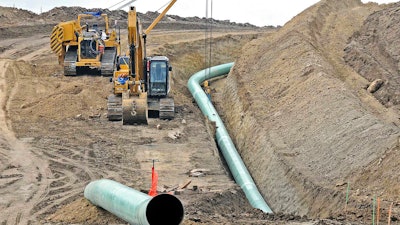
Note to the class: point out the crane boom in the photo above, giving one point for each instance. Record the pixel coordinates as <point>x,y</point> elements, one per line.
<point>159,17</point>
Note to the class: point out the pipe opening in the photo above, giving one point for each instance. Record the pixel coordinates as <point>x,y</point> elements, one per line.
<point>164,209</point>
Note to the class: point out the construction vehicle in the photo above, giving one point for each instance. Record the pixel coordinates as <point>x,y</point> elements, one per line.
<point>88,48</point>
<point>141,84</point>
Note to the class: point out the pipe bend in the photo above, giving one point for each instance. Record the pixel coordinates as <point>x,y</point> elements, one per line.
<point>228,149</point>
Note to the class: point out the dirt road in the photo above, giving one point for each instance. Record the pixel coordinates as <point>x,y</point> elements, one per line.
<point>24,174</point>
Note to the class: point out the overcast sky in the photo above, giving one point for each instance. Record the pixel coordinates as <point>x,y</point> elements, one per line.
<point>257,12</point>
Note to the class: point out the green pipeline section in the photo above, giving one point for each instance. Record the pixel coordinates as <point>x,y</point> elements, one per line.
<point>228,149</point>
<point>134,206</point>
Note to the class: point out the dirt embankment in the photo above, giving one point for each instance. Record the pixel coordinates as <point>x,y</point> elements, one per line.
<point>302,119</point>
<point>374,54</point>
<point>13,16</point>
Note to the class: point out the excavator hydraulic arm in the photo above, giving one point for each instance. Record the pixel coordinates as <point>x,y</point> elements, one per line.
<point>132,105</point>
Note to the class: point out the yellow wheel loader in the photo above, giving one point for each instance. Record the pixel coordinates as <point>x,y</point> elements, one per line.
<point>141,84</point>
<point>88,48</point>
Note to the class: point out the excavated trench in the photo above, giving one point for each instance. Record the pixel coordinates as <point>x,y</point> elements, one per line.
<point>300,118</point>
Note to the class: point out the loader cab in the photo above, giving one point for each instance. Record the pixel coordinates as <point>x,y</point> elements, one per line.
<point>158,76</point>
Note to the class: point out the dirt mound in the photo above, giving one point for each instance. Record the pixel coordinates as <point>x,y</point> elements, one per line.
<point>78,99</point>
<point>374,53</point>
<point>23,23</point>
<point>301,118</point>
<point>71,13</point>
<point>14,16</point>
<point>63,13</point>
<point>81,211</point>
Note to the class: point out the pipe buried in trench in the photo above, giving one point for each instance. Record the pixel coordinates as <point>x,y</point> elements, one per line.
<point>228,149</point>
<point>134,206</point>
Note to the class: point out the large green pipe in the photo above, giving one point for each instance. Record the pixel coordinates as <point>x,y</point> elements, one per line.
<point>134,206</point>
<point>228,149</point>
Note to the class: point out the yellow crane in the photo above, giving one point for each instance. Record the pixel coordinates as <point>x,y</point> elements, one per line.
<point>141,84</point>
<point>88,48</point>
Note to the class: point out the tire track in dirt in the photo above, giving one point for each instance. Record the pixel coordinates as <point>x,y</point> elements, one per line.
<point>63,169</point>
<point>25,174</point>
<point>68,170</point>
<point>72,166</point>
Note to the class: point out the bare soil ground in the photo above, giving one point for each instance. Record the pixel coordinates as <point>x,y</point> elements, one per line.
<point>300,116</point>
<point>56,138</point>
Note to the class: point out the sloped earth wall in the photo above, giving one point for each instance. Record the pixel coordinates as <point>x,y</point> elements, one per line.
<point>299,116</point>
<point>374,53</point>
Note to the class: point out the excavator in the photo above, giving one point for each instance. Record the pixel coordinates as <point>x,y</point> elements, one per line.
<point>141,84</point>
<point>85,49</point>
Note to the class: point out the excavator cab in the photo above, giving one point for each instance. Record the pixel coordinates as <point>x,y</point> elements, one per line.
<point>158,76</point>
<point>160,105</point>
<point>146,93</point>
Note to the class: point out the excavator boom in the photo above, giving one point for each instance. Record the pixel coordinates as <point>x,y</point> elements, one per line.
<point>143,87</point>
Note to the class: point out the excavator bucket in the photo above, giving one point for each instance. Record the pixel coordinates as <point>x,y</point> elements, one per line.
<point>134,110</point>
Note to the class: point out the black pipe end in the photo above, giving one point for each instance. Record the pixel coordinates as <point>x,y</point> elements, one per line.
<point>164,209</point>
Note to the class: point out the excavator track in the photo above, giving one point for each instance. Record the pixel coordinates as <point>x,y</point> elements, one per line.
<point>167,108</point>
<point>114,108</point>
<point>108,61</point>
<point>134,110</point>
<point>70,62</point>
